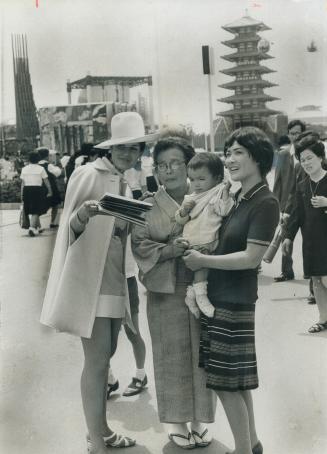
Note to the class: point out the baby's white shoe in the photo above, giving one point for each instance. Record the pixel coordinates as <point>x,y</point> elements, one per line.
<point>202,299</point>
<point>190,301</point>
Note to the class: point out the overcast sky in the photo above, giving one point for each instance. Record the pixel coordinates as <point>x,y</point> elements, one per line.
<point>68,39</point>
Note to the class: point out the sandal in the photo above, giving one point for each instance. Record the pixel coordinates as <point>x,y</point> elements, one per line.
<point>201,440</point>
<point>191,443</point>
<point>118,441</point>
<point>114,441</point>
<point>135,387</point>
<point>317,327</point>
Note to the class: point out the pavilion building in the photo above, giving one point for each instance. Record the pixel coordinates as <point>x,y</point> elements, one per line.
<point>249,99</point>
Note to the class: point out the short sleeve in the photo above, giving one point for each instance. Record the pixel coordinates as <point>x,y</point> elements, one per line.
<point>263,223</point>
<point>43,174</point>
<point>55,170</point>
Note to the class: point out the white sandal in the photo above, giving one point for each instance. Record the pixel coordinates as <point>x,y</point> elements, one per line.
<point>114,441</point>
<point>202,440</point>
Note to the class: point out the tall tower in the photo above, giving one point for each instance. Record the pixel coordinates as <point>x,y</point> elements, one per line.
<point>249,99</point>
<point>26,118</point>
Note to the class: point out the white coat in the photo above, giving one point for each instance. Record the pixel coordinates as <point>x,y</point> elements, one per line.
<point>77,266</point>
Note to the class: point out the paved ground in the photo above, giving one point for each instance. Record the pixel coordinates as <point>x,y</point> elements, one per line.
<point>40,403</point>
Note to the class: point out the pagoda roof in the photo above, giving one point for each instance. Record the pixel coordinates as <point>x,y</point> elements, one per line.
<point>249,110</point>
<point>243,68</point>
<point>253,53</point>
<point>130,81</point>
<point>241,83</point>
<point>241,39</point>
<point>245,21</point>
<point>261,96</point>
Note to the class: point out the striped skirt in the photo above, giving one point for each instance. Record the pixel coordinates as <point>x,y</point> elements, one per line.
<point>227,347</point>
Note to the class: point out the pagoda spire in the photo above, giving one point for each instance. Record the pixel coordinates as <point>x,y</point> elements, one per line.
<point>249,99</point>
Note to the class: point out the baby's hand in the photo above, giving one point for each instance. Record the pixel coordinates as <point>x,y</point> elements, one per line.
<point>226,189</point>
<point>187,207</point>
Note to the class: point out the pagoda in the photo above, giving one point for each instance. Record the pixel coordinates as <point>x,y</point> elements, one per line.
<point>249,99</point>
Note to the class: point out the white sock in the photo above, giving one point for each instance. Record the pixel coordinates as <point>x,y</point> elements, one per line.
<point>202,299</point>
<point>190,301</point>
<point>111,378</point>
<point>140,374</point>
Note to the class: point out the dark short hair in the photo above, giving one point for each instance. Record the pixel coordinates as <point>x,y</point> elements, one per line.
<point>86,148</point>
<point>257,144</point>
<point>43,152</point>
<point>309,140</point>
<point>210,161</point>
<point>33,157</point>
<point>173,142</point>
<point>293,123</point>
<point>283,140</point>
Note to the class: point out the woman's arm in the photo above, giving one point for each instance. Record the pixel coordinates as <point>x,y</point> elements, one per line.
<point>263,221</point>
<point>47,185</point>
<point>22,189</point>
<point>242,260</point>
<point>295,218</point>
<point>81,217</point>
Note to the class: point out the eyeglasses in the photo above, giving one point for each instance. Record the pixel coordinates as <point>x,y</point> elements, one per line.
<point>172,165</point>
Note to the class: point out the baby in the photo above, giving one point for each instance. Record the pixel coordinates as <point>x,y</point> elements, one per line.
<point>201,215</point>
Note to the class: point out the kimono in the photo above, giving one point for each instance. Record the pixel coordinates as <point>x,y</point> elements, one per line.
<point>180,384</point>
<point>78,263</point>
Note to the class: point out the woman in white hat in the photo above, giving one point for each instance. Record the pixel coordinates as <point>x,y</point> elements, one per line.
<point>86,293</point>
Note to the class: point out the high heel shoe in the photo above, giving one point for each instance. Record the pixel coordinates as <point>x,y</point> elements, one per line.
<point>258,448</point>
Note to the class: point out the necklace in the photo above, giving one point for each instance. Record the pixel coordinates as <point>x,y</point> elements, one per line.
<point>314,191</point>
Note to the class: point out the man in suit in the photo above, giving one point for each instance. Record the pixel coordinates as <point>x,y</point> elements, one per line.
<point>286,175</point>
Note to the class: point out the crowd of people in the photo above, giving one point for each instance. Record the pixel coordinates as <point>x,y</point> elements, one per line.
<point>197,255</point>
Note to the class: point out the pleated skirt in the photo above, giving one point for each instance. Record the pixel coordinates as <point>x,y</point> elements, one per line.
<point>34,199</point>
<point>181,390</point>
<point>227,347</point>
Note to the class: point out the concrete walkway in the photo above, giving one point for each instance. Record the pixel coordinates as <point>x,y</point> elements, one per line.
<point>41,410</point>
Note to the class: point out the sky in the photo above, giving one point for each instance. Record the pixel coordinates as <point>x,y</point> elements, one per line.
<point>163,38</point>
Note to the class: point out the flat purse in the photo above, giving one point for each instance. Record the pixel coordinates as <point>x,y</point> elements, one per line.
<point>24,220</point>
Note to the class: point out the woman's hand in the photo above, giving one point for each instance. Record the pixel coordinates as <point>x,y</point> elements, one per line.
<point>88,209</point>
<point>179,246</point>
<point>286,247</point>
<point>193,259</point>
<point>319,201</point>
<point>146,195</point>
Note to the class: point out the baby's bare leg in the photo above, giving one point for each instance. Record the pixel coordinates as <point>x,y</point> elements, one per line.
<point>200,275</point>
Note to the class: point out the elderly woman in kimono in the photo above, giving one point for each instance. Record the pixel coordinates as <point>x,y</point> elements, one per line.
<point>86,293</point>
<point>158,247</point>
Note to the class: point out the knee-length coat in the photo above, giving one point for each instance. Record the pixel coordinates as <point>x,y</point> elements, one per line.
<point>77,265</point>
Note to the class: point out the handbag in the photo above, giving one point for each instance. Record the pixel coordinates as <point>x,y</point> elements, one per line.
<point>24,220</point>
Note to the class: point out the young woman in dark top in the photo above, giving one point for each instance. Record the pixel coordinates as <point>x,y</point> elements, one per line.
<point>227,348</point>
<point>310,214</point>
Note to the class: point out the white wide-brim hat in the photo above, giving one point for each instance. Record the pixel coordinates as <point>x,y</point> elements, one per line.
<point>127,127</point>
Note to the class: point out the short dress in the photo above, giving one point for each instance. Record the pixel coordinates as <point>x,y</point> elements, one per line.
<point>34,197</point>
<point>111,302</point>
<point>227,343</point>
<point>313,224</point>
